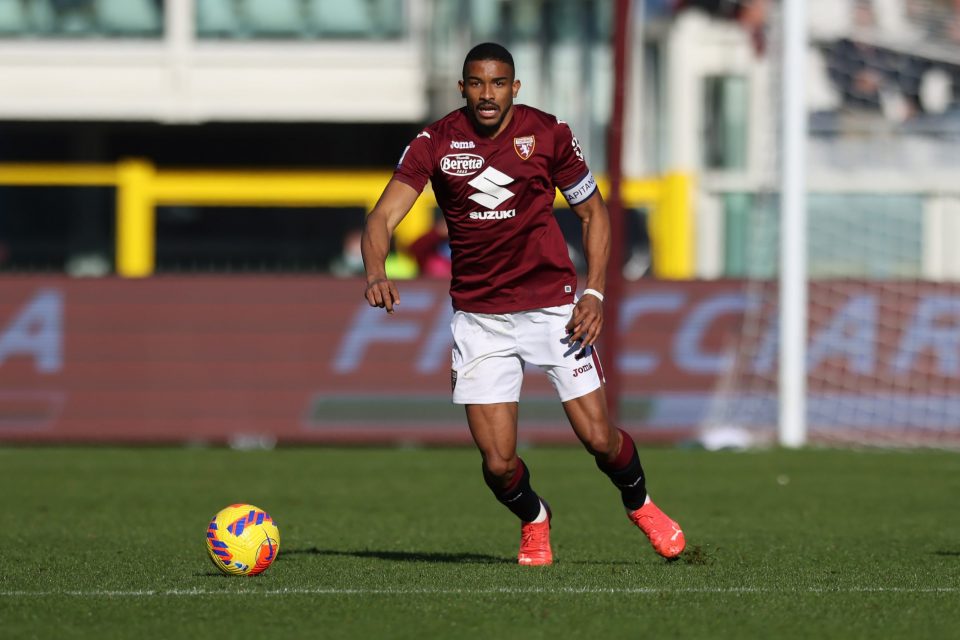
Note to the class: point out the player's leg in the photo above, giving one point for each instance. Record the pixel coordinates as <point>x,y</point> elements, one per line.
<point>616,456</point>
<point>494,430</point>
<point>486,378</point>
<point>612,448</point>
<point>577,376</point>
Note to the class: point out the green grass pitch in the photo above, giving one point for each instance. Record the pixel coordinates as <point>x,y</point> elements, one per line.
<point>384,543</point>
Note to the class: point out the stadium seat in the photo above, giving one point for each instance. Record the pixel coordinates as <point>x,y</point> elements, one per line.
<point>341,17</point>
<point>129,16</point>
<point>65,17</point>
<point>275,17</point>
<point>217,17</point>
<point>40,15</point>
<point>390,17</point>
<point>13,18</point>
<point>484,17</point>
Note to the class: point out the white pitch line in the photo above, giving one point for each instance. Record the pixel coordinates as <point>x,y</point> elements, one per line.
<point>173,593</point>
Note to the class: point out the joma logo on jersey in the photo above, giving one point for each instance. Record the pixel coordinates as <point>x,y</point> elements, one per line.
<point>465,144</point>
<point>491,185</point>
<point>461,164</point>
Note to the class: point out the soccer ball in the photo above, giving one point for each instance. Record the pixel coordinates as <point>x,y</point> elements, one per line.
<point>243,540</point>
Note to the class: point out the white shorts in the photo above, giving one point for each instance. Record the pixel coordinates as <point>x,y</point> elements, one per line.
<point>490,351</point>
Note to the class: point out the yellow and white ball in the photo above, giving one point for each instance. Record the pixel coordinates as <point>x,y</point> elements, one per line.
<point>243,540</point>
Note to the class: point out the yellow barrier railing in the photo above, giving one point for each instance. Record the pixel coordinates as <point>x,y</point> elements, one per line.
<point>141,188</point>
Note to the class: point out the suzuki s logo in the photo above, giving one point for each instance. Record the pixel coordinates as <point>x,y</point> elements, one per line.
<point>461,164</point>
<point>491,183</point>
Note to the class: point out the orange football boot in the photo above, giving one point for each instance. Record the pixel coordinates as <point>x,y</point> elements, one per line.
<point>664,534</point>
<point>535,548</point>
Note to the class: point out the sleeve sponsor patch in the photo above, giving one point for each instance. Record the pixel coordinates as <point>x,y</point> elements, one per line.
<point>581,191</point>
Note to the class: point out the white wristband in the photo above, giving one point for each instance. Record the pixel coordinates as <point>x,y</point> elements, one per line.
<point>593,292</point>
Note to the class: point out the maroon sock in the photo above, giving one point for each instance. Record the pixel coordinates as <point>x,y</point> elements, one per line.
<point>518,496</point>
<point>626,473</point>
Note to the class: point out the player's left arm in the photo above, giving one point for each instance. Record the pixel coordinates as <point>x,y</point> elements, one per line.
<point>586,322</point>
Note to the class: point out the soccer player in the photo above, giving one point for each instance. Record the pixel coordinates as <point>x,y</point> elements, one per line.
<point>495,167</point>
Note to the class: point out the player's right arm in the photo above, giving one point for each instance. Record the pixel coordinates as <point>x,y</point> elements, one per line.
<point>395,202</point>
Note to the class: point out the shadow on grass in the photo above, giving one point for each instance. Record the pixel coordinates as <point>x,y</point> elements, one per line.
<point>692,556</point>
<point>944,552</point>
<point>398,556</point>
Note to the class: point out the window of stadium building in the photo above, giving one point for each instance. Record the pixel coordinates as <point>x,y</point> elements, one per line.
<point>81,18</point>
<point>298,19</point>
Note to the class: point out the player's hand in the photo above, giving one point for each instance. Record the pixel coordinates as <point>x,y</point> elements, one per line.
<point>382,293</point>
<point>586,322</point>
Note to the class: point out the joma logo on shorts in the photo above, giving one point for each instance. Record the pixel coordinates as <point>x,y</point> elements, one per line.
<point>583,369</point>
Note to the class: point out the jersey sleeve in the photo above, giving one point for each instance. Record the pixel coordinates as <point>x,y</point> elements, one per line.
<point>416,163</point>
<point>570,171</point>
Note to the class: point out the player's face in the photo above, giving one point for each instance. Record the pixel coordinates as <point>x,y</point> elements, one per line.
<point>489,88</point>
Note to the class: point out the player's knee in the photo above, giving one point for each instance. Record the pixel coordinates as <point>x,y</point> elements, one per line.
<point>500,468</point>
<point>601,441</point>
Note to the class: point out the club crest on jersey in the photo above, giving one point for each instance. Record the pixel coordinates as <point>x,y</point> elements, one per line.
<point>524,146</point>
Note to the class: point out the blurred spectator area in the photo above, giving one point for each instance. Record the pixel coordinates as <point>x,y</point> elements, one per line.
<point>228,19</point>
<point>885,62</point>
<point>275,84</point>
<point>81,18</point>
<point>751,15</point>
<point>897,59</point>
<point>192,61</point>
<point>262,84</point>
<point>300,18</point>
<point>882,94</point>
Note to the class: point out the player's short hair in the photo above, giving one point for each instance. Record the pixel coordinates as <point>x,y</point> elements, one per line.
<point>488,51</point>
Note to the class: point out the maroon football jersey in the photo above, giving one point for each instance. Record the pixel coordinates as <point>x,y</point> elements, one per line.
<point>507,250</point>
